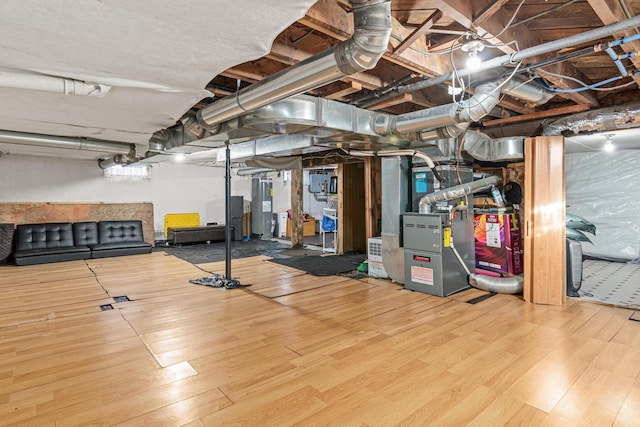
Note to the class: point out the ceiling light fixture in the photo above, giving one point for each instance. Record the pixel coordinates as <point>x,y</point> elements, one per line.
<point>473,45</point>
<point>608,143</point>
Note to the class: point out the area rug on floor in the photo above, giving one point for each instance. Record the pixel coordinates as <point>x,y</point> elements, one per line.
<point>614,283</point>
<point>327,265</point>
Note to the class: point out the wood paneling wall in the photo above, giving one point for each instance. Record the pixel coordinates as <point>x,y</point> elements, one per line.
<point>544,221</point>
<point>373,194</point>
<point>40,212</point>
<point>351,208</point>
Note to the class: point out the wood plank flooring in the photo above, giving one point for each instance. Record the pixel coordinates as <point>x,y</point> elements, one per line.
<point>294,349</point>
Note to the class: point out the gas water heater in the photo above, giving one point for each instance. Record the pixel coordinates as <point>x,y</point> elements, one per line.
<point>261,207</point>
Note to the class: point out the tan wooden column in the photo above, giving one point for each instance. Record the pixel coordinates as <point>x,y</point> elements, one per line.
<point>544,221</point>
<point>297,221</point>
<point>372,194</point>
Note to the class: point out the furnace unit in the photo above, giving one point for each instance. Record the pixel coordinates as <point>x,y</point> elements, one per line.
<point>439,248</point>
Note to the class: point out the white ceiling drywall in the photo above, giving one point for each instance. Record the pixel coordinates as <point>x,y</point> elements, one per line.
<point>157,55</point>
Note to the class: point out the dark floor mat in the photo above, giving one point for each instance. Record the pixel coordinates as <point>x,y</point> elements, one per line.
<point>328,265</point>
<point>212,252</point>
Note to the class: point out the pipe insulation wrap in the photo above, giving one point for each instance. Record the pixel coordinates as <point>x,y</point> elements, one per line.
<point>498,285</point>
<point>32,81</point>
<point>457,192</point>
<point>612,118</point>
<point>359,53</point>
<point>65,142</point>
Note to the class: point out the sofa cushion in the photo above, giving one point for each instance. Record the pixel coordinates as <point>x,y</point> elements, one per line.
<point>104,250</point>
<point>120,231</point>
<point>85,233</point>
<point>42,256</point>
<point>43,236</point>
<point>107,246</point>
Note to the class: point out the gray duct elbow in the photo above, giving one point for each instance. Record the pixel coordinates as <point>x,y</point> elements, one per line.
<point>498,285</point>
<point>372,22</point>
<point>481,103</point>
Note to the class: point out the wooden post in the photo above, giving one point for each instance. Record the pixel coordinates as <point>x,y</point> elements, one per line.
<point>297,221</point>
<point>372,194</point>
<point>545,279</point>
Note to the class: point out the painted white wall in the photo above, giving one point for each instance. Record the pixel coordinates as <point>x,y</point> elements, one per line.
<point>173,188</point>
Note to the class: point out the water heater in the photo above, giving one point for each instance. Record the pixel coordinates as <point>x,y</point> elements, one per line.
<point>261,207</point>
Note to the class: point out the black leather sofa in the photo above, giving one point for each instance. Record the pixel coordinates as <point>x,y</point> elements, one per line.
<point>54,242</point>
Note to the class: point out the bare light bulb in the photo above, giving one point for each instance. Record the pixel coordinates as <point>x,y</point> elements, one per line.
<point>474,61</point>
<point>608,146</point>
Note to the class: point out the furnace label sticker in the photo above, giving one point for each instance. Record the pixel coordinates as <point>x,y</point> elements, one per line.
<point>493,234</point>
<point>422,275</point>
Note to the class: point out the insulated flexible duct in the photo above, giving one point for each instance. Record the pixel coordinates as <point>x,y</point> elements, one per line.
<point>623,116</point>
<point>498,285</point>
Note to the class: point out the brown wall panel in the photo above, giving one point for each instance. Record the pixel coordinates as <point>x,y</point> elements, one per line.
<point>351,208</point>
<point>35,213</point>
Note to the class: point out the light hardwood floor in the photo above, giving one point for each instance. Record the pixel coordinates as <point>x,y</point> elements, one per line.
<point>295,349</point>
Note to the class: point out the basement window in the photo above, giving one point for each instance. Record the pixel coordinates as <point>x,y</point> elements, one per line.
<point>128,173</point>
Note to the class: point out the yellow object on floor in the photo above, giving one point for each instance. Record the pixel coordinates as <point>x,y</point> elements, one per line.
<point>180,220</point>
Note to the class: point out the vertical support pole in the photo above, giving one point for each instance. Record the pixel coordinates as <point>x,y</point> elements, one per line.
<point>297,221</point>
<point>545,278</point>
<point>227,212</point>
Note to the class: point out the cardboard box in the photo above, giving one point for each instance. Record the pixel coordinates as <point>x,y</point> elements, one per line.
<point>308,228</point>
<point>498,243</point>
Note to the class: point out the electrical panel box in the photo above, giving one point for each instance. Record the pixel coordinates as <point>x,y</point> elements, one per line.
<point>320,182</point>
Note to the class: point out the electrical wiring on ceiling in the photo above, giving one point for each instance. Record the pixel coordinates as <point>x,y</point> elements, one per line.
<point>585,86</point>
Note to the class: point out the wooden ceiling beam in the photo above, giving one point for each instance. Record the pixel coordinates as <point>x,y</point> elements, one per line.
<point>418,32</point>
<point>400,99</point>
<point>461,11</point>
<point>352,88</point>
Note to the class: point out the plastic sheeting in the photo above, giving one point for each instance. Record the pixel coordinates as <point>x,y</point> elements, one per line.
<point>604,188</point>
<point>157,55</point>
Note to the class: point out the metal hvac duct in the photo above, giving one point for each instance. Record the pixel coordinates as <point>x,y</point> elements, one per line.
<point>457,192</point>
<point>65,142</point>
<point>479,105</point>
<point>372,28</point>
<point>481,147</point>
<point>623,116</point>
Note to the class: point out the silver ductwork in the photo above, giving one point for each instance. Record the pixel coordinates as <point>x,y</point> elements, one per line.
<point>65,142</point>
<point>498,285</point>
<point>372,28</point>
<point>530,94</point>
<point>481,147</point>
<point>457,192</point>
<point>471,110</point>
<point>623,116</point>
